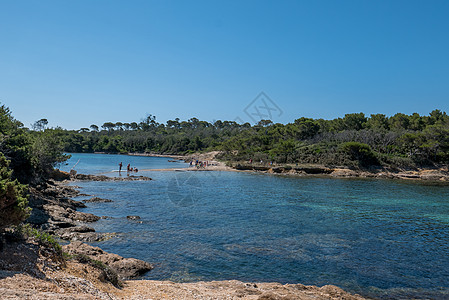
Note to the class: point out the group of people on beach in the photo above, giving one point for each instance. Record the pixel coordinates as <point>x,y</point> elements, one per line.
<point>199,164</point>
<point>128,168</point>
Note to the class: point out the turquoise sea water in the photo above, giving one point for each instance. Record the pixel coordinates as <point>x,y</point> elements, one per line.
<point>108,164</point>
<point>378,238</point>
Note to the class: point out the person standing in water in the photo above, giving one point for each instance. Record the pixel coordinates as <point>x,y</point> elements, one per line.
<point>120,167</point>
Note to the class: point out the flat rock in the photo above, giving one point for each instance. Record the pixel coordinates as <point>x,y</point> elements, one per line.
<point>80,229</point>
<point>90,177</point>
<point>85,236</point>
<point>344,173</point>
<point>85,217</point>
<point>96,199</point>
<point>62,223</point>
<point>56,211</point>
<point>125,267</point>
<point>77,204</point>
<point>133,217</point>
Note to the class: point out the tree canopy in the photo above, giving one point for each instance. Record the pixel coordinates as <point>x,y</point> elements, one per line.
<point>26,157</point>
<point>397,141</point>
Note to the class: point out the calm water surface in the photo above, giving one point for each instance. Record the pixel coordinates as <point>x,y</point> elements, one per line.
<point>379,238</point>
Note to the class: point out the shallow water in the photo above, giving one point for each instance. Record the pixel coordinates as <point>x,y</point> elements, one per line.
<point>108,164</point>
<point>379,238</point>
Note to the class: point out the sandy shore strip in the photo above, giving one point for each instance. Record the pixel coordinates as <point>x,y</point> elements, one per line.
<point>216,166</point>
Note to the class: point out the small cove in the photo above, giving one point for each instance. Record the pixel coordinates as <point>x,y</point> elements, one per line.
<point>379,238</point>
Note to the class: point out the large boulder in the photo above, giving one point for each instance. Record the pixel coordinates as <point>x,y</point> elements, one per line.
<point>85,217</point>
<point>125,268</point>
<point>59,175</point>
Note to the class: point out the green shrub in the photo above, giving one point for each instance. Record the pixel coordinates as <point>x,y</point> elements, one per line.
<point>360,152</point>
<point>397,162</point>
<point>13,197</point>
<point>109,274</point>
<point>41,237</point>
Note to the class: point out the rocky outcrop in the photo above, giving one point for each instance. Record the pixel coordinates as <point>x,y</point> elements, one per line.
<point>36,274</point>
<point>344,173</point>
<point>59,175</point>
<point>284,169</point>
<point>54,212</point>
<point>61,214</point>
<point>96,200</point>
<point>83,234</point>
<point>435,174</point>
<point>84,217</point>
<point>124,267</point>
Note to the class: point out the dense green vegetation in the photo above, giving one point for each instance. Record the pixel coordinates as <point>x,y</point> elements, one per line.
<point>26,157</point>
<point>13,200</point>
<point>356,140</point>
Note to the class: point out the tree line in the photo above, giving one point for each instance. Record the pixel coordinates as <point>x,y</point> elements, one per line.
<point>355,140</point>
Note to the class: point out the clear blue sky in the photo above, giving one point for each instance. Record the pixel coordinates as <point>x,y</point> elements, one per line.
<point>83,62</point>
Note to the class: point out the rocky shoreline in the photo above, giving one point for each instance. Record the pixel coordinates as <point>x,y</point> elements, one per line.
<point>435,175</point>
<point>54,212</point>
<point>37,273</point>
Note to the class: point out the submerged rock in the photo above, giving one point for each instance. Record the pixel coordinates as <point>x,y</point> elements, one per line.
<point>125,267</point>
<point>133,217</point>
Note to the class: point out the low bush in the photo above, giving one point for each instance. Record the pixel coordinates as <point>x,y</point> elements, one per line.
<point>360,152</point>
<point>41,237</point>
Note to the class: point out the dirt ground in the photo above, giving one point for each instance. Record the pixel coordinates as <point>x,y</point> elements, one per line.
<point>28,271</point>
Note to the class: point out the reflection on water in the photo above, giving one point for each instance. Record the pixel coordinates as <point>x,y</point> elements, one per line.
<point>374,237</point>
